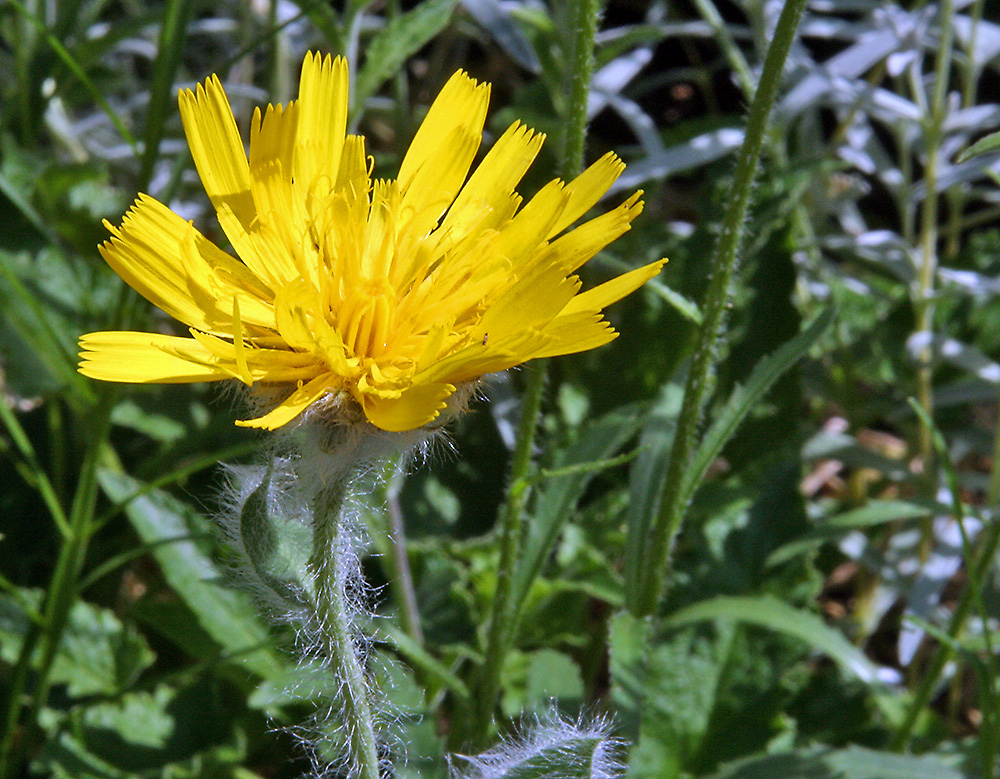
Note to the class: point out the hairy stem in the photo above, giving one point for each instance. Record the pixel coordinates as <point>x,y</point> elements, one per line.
<point>503,618</point>
<point>643,596</point>
<point>332,569</point>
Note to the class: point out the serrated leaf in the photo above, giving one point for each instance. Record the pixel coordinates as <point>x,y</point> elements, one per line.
<point>400,39</point>
<point>770,613</point>
<point>226,615</point>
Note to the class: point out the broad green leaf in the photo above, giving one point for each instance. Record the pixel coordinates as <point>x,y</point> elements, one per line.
<point>770,613</point>
<point>666,691</point>
<point>143,733</point>
<point>849,763</point>
<point>402,37</point>
<point>557,497</point>
<point>226,615</point>
<point>875,512</point>
<point>98,654</point>
<point>532,680</point>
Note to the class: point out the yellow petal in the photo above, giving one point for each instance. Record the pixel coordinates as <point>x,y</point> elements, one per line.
<point>169,263</point>
<point>605,294</point>
<point>145,358</point>
<point>581,243</point>
<point>303,397</point>
<point>462,104</point>
<point>527,231</point>
<point>322,124</point>
<point>217,150</point>
<point>417,406</point>
<point>575,333</point>
<point>531,303</point>
<point>489,188</point>
<point>586,189</point>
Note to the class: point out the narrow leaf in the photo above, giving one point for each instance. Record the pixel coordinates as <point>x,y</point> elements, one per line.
<point>557,497</point>
<point>767,612</point>
<point>402,37</point>
<point>744,398</point>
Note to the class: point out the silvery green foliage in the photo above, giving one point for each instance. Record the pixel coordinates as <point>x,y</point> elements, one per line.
<point>550,748</point>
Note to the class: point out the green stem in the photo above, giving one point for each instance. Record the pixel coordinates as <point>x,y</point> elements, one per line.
<point>331,571</point>
<point>60,597</point>
<point>584,15</point>
<point>923,295</point>
<point>989,543</point>
<point>642,599</point>
<point>503,622</point>
<point>503,618</point>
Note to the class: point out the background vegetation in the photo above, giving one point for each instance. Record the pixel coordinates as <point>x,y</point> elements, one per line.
<point>831,607</point>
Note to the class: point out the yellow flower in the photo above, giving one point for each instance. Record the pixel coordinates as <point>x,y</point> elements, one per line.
<point>390,293</point>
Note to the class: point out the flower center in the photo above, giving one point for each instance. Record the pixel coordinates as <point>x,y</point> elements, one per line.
<point>367,318</point>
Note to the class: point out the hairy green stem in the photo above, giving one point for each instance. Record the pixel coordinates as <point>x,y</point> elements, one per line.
<point>503,619</point>
<point>502,622</point>
<point>330,567</point>
<point>642,599</point>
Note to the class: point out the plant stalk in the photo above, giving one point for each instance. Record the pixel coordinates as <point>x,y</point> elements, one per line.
<point>643,598</point>
<point>923,295</point>
<point>331,563</point>
<point>503,620</point>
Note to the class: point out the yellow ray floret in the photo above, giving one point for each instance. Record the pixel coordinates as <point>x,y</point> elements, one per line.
<point>384,297</point>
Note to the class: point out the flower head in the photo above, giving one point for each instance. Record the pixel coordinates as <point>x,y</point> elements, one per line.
<point>386,296</point>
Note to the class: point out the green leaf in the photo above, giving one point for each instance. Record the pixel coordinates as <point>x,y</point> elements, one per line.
<point>985,145</point>
<point>667,691</point>
<point>646,479</point>
<point>227,616</point>
<point>743,399</point>
<point>98,655</point>
<point>278,546</point>
<point>849,763</point>
<point>770,613</point>
<point>557,497</point>
<point>162,95</point>
<point>876,512</point>
<point>400,39</point>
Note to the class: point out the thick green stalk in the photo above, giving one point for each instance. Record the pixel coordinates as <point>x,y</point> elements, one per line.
<point>642,599</point>
<point>503,618</point>
<point>331,571</point>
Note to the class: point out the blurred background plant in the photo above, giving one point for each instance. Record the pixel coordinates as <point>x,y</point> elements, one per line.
<point>830,607</point>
